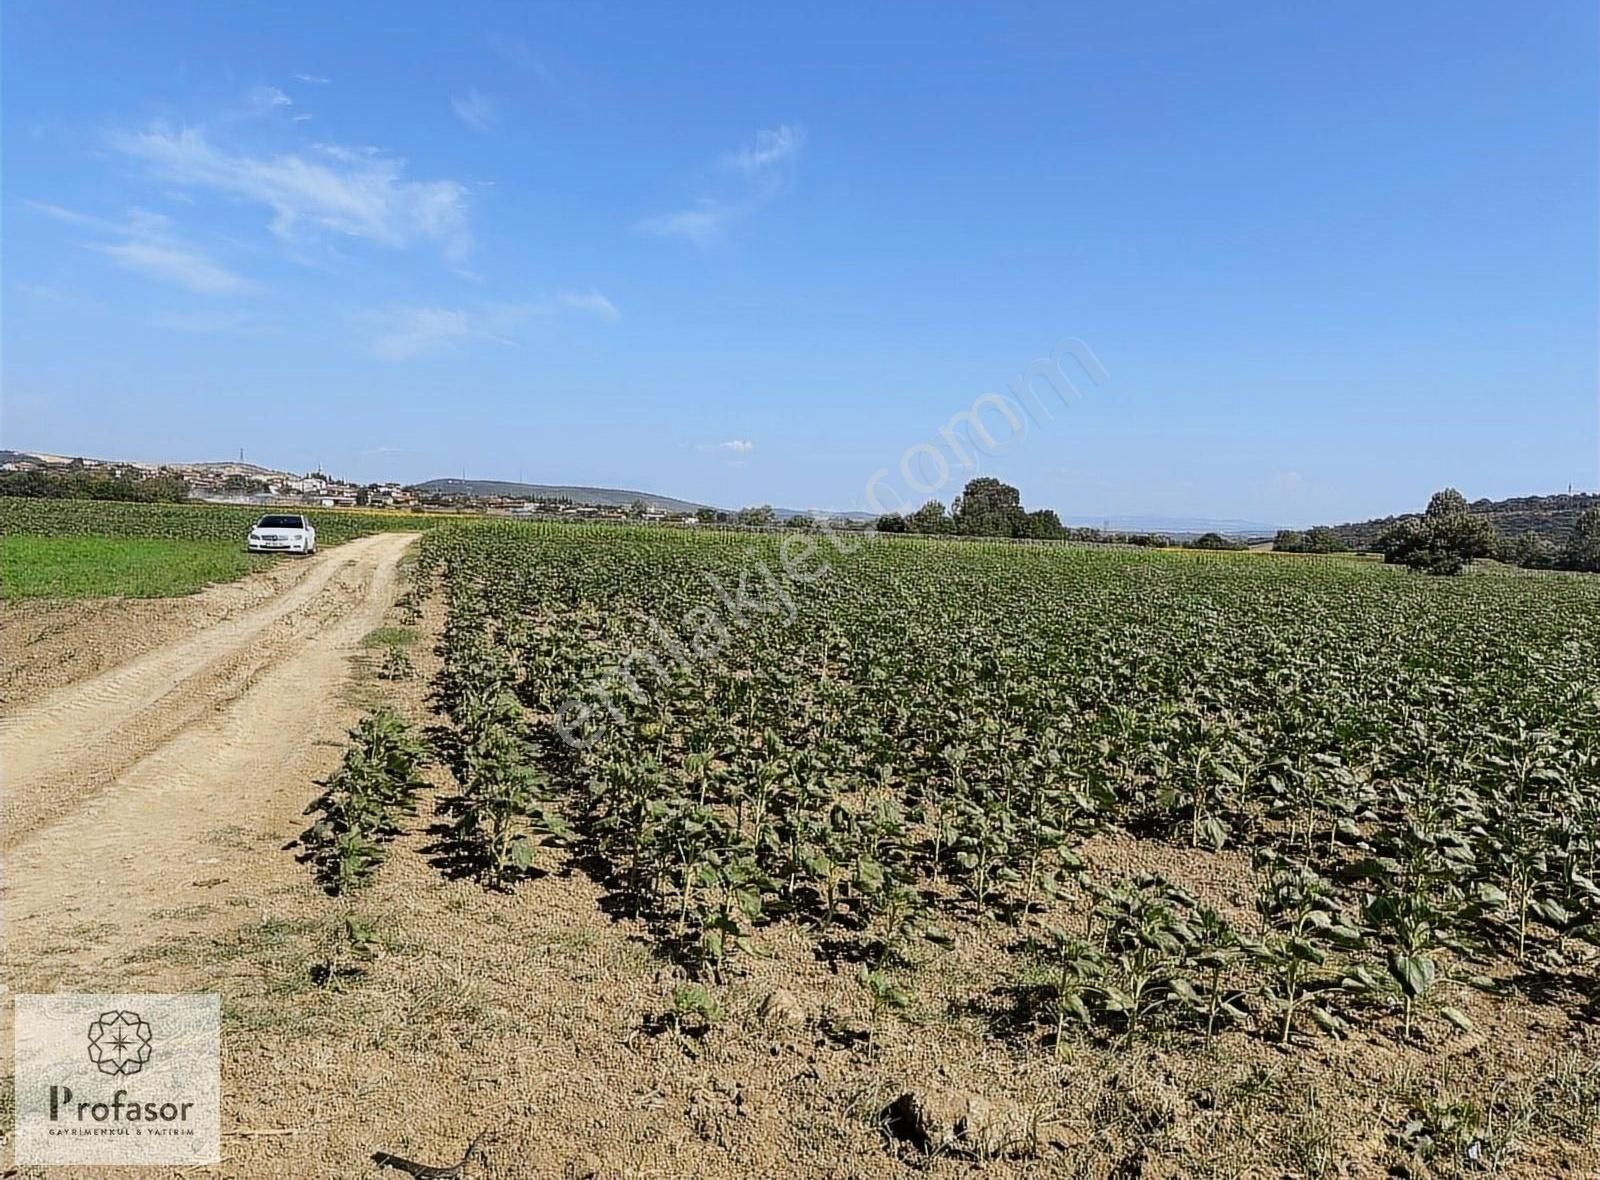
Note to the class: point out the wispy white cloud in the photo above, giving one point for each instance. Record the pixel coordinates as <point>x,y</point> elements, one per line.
<point>150,246</point>
<point>476,110</point>
<point>733,446</point>
<point>312,79</point>
<point>704,223</point>
<point>266,98</point>
<point>764,168</point>
<point>589,301</point>
<point>772,149</point>
<point>402,332</point>
<point>73,217</point>
<point>175,264</point>
<point>361,193</point>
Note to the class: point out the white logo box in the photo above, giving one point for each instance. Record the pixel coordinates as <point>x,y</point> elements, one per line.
<point>118,1079</point>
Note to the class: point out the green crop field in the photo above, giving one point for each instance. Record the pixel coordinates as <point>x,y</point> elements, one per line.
<point>887,744</point>
<point>183,522</point>
<point>97,548</point>
<point>93,567</point>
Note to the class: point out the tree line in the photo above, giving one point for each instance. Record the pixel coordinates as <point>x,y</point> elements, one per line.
<point>1548,517</point>
<point>84,484</point>
<point>1445,540</point>
<point>1321,539</point>
<point>987,507</point>
<point>1448,537</point>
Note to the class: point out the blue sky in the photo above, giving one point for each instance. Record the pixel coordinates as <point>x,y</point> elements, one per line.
<point>1331,257</point>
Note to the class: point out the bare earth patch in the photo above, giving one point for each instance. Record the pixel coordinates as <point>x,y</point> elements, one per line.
<point>50,644</point>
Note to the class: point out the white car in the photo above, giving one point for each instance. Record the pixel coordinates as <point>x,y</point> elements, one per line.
<point>282,534</point>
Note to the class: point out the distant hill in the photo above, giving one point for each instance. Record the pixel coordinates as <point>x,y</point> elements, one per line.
<point>232,468</point>
<point>226,467</point>
<point>1548,517</point>
<point>599,497</point>
<point>26,457</point>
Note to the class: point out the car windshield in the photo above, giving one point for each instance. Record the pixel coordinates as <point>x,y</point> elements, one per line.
<point>281,522</point>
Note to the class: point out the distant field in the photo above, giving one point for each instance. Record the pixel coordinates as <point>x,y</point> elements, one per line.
<point>94,567</point>
<point>100,548</point>
<point>183,522</point>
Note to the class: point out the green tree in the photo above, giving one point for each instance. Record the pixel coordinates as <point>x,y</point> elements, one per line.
<point>1042,525</point>
<point>1582,551</point>
<point>930,518</point>
<point>1461,534</point>
<point>1530,551</point>
<point>1399,541</point>
<point>892,522</point>
<point>1444,503</point>
<point>761,516</point>
<point>988,508</point>
<point>1445,540</point>
<point>81,484</point>
<point>1322,539</point>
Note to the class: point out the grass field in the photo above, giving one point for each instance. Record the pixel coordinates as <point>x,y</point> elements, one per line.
<point>184,522</point>
<point>129,567</point>
<point>68,549</point>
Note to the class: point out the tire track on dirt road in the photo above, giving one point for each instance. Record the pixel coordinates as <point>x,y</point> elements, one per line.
<point>225,729</point>
<point>75,741</point>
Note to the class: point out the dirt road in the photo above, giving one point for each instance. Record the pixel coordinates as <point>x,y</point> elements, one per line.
<point>115,786</point>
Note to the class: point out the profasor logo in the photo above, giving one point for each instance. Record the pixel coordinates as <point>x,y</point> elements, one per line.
<point>119,1043</point>
<point>117,1111</point>
<point>118,1078</point>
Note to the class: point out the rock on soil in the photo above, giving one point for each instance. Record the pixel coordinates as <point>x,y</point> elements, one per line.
<point>943,1122</point>
<point>782,1010</point>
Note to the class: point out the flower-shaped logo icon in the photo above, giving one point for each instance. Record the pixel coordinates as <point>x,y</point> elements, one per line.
<point>119,1043</point>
